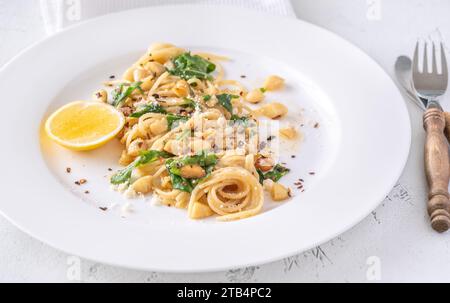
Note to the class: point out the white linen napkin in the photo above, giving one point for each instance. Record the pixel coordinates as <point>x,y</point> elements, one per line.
<point>58,14</point>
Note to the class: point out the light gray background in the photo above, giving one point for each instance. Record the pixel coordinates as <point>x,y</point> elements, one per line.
<point>397,233</point>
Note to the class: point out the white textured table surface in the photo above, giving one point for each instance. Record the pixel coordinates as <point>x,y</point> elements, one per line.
<point>395,243</point>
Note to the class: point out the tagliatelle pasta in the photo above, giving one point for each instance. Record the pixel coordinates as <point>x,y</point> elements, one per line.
<point>189,137</point>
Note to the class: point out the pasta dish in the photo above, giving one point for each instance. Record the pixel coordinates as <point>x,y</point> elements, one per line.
<point>193,138</point>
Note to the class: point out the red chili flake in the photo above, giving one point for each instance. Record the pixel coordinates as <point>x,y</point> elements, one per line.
<point>86,192</point>
<point>104,208</point>
<point>109,169</point>
<point>83,181</point>
<point>112,77</point>
<point>316,125</point>
<point>77,183</point>
<point>68,170</point>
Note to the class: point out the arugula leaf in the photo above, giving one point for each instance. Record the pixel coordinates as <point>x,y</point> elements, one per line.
<point>181,183</point>
<point>237,119</point>
<point>121,93</point>
<point>275,174</point>
<point>188,66</point>
<point>150,156</point>
<point>175,119</point>
<point>149,108</point>
<point>203,159</point>
<point>206,161</point>
<point>146,157</point>
<point>261,176</point>
<point>189,103</point>
<point>225,101</point>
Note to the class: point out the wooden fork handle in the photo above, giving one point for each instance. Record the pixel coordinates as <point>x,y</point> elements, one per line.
<point>447,125</point>
<point>437,169</point>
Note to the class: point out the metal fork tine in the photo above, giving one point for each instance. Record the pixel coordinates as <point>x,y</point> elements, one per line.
<point>425,59</point>
<point>434,64</point>
<point>443,61</point>
<point>416,58</point>
<point>430,85</point>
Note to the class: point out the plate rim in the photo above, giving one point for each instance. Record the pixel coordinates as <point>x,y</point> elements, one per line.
<point>225,267</point>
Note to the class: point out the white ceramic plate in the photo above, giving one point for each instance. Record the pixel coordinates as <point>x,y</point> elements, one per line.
<point>357,153</point>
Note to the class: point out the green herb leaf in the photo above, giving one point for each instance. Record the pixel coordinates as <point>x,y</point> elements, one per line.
<point>123,175</point>
<point>174,120</point>
<point>181,183</point>
<point>187,66</point>
<point>189,103</point>
<point>146,157</point>
<point>149,108</point>
<point>261,176</point>
<point>263,89</point>
<point>203,159</point>
<point>236,119</point>
<point>207,97</point>
<point>206,161</point>
<point>275,174</point>
<point>225,101</point>
<point>121,93</point>
<point>150,156</point>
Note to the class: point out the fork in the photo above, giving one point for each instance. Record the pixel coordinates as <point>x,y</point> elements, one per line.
<point>430,86</point>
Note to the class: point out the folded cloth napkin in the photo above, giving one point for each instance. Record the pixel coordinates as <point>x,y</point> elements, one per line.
<point>58,14</point>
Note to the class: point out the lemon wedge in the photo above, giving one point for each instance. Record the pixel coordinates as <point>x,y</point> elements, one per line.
<point>84,125</point>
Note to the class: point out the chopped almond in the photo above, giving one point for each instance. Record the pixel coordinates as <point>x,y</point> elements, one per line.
<point>143,185</point>
<point>279,192</point>
<point>274,83</point>
<point>200,210</point>
<point>273,110</point>
<point>289,133</point>
<point>192,171</point>
<point>264,163</point>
